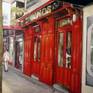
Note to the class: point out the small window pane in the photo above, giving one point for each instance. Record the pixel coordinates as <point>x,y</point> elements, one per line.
<point>60,50</point>
<point>92,38</point>
<point>92,56</point>
<point>68,49</point>
<point>92,47</point>
<point>39,49</point>
<point>35,49</point>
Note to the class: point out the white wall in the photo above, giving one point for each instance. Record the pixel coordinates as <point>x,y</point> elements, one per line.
<point>6,13</point>
<point>88,11</point>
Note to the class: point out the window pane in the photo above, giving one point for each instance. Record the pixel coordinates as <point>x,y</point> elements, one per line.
<point>92,56</point>
<point>60,50</point>
<point>35,48</point>
<point>92,47</point>
<point>38,49</point>
<point>64,22</point>
<point>68,49</point>
<point>91,38</point>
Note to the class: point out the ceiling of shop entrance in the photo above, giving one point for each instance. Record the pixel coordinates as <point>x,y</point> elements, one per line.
<point>80,2</point>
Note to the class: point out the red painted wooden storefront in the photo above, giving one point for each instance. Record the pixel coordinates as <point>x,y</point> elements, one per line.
<point>53,46</point>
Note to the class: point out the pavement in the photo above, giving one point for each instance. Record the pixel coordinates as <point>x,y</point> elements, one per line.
<point>14,81</point>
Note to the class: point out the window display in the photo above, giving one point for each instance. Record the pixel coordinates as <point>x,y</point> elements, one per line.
<point>68,49</point>
<point>89,75</point>
<point>36,49</point>
<point>60,50</point>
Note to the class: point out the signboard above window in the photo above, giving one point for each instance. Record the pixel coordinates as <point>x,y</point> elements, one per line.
<point>30,3</point>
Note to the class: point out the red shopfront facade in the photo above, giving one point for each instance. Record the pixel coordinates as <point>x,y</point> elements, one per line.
<point>53,45</point>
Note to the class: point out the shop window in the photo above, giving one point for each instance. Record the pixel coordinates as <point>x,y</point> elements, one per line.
<point>60,50</point>
<point>39,49</point>
<point>91,48</point>
<point>36,49</point>
<point>89,63</point>
<point>68,49</point>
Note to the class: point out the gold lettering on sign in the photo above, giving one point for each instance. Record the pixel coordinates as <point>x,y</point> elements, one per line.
<point>49,9</point>
<point>39,14</point>
<point>43,11</point>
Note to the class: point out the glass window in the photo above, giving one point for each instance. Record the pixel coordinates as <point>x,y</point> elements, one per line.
<point>64,22</point>
<point>92,47</point>
<point>60,50</point>
<point>37,49</point>
<point>89,44</point>
<point>68,49</point>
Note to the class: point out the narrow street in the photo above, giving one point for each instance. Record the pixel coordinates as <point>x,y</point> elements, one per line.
<point>15,83</point>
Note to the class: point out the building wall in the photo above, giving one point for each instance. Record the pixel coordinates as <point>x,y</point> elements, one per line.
<point>16,11</point>
<point>88,11</point>
<point>6,13</point>
<point>34,6</point>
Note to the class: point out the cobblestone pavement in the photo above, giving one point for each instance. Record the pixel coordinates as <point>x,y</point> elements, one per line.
<point>14,83</point>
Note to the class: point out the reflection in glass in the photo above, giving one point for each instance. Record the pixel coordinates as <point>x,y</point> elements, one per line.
<point>92,47</point>
<point>91,38</point>
<point>68,49</point>
<point>92,56</point>
<point>60,50</point>
<point>36,48</point>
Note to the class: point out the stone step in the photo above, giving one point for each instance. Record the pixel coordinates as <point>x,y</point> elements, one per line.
<point>34,77</point>
<point>60,88</point>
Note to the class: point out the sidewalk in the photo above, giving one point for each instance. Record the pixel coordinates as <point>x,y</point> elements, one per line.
<point>16,82</point>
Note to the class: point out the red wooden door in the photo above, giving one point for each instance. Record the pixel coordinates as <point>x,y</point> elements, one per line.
<point>47,49</point>
<point>46,70</point>
<point>36,51</point>
<point>28,38</point>
<point>27,56</point>
<point>68,56</point>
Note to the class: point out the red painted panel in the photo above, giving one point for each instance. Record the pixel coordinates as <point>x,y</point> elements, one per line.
<point>27,63</point>
<point>46,70</point>
<point>71,78</point>
<point>28,38</point>
<point>35,68</point>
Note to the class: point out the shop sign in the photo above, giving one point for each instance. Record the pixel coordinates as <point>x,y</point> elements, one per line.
<point>42,12</point>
